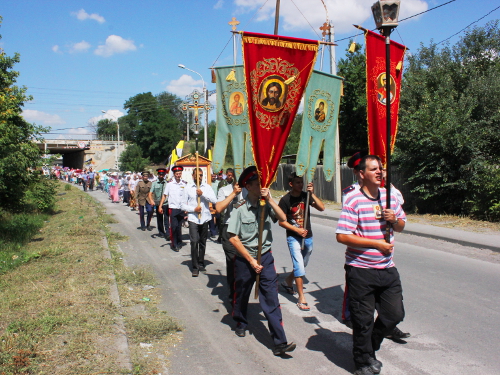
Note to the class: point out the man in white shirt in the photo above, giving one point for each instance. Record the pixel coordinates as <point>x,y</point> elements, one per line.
<point>198,218</point>
<point>174,194</point>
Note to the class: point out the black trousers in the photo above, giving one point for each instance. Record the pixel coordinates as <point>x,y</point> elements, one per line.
<point>126,197</point>
<point>268,295</point>
<point>149,209</point>
<point>162,220</point>
<point>230,252</point>
<point>91,183</point>
<point>373,289</point>
<point>198,236</point>
<point>176,217</point>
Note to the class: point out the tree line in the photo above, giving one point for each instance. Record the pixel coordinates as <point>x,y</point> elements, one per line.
<point>447,146</point>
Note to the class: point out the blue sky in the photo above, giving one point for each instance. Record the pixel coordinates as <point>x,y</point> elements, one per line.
<point>81,57</point>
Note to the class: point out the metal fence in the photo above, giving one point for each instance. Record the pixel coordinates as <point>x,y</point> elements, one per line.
<point>326,189</point>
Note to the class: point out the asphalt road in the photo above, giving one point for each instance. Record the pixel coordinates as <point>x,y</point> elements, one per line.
<point>452,308</point>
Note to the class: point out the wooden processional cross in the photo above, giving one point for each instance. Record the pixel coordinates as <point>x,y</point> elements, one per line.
<point>194,105</point>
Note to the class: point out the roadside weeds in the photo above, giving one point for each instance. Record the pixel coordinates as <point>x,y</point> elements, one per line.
<point>58,316</point>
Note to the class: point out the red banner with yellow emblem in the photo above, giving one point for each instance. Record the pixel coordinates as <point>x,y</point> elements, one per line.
<point>376,91</point>
<point>277,70</point>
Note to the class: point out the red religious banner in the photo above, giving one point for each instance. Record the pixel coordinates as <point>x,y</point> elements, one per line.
<point>376,91</point>
<point>277,70</point>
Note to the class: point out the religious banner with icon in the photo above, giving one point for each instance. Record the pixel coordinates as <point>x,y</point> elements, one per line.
<point>232,120</point>
<point>319,125</point>
<point>277,70</point>
<point>376,91</point>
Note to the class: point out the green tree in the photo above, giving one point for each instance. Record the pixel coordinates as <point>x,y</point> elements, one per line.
<point>132,160</point>
<point>155,124</point>
<point>448,145</point>
<point>292,144</point>
<point>353,134</point>
<point>19,155</point>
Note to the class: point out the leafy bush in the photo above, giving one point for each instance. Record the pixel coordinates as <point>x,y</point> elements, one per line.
<point>41,196</point>
<point>448,146</point>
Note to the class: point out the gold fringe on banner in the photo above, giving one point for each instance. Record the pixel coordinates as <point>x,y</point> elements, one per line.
<point>399,66</point>
<point>280,43</point>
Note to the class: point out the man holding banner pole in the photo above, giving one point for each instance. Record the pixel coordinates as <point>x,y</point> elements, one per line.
<point>243,229</point>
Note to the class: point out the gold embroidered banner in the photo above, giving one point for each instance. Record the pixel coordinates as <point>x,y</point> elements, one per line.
<point>277,70</point>
<point>376,91</point>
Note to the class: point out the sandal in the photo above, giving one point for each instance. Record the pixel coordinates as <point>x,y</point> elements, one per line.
<point>287,288</point>
<point>303,306</point>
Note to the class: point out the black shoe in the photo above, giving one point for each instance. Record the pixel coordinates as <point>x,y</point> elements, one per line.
<point>195,273</point>
<point>240,332</point>
<point>397,334</point>
<point>149,228</point>
<point>375,365</point>
<point>365,370</point>
<point>284,348</point>
<point>202,269</point>
<point>143,229</point>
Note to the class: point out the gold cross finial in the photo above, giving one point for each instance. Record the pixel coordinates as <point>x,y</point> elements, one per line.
<point>234,23</point>
<point>325,28</point>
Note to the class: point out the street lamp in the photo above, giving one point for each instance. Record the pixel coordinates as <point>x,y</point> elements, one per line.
<point>117,137</point>
<point>205,91</point>
<point>385,14</point>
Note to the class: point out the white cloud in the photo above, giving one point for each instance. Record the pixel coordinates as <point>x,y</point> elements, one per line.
<point>82,46</point>
<point>38,117</point>
<point>343,14</point>
<point>82,15</point>
<point>115,44</point>
<point>219,4</point>
<point>56,49</point>
<point>111,114</point>
<point>184,85</point>
<point>78,131</point>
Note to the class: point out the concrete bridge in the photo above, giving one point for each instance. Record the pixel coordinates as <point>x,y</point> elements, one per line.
<point>85,153</point>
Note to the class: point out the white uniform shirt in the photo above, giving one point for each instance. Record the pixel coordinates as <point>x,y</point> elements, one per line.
<point>224,192</point>
<point>175,193</point>
<point>191,202</point>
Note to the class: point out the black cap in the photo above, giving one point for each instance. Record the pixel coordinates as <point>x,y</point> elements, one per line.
<point>354,160</point>
<point>249,174</point>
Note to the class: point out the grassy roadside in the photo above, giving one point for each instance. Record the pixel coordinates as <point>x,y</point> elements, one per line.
<point>57,313</point>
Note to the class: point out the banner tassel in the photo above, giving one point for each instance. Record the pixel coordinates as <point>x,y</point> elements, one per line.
<point>352,47</point>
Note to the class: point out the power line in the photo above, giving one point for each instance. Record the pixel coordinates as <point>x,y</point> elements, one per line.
<point>466,27</point>
<point>404,19</point>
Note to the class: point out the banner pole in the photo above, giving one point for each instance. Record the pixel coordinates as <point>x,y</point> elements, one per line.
<point>387,34</point>
<point>262,203</point>
<point>198,182</point>
<point>277,17</point>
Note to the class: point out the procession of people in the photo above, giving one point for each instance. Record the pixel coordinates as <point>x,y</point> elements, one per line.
<point>244,212</point>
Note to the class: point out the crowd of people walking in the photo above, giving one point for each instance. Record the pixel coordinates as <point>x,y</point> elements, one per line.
<point>235,212</point>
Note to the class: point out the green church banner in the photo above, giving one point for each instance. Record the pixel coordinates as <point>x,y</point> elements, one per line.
<point>232,120</point>
<point>319,125</point>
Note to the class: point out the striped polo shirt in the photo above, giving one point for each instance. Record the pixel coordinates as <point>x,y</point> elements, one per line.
<point>360,216</point>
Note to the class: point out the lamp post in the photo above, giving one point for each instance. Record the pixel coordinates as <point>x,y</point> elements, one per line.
<point>385,14</point>
<point>205,92</point>
<point>117,137</point>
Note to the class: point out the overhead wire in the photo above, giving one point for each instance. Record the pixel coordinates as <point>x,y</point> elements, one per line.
<point>466,27</point>
<point>404,19</point>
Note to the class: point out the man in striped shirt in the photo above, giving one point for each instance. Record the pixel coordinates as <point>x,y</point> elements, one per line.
<point>372,277</point>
